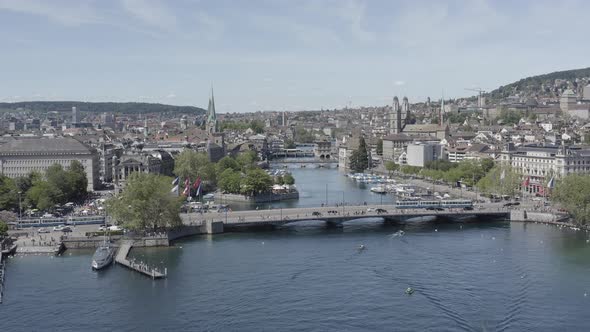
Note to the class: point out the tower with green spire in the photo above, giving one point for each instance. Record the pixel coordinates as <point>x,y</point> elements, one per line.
<point>211,125</point>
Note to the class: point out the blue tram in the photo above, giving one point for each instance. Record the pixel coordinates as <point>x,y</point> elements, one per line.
<point>444,203</point>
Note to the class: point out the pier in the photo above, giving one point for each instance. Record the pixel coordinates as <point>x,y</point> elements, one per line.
<point>144,269</point>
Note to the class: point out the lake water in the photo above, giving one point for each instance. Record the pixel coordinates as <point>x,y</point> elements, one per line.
<point>472,277</point>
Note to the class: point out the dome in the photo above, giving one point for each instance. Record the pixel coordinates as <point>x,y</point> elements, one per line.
<point>395,99</point>
<point>405,99</point>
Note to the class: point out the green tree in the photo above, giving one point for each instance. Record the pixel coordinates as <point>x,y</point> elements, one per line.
<point>146,203</point>
<point>8,193</point>
<point>257,126</point>
<point>225,163</point>
<point>391,167</point>
<point>44,195</point>
<point>256,181</point>
<point>573,193</point>
<point>247,160</point>
<point>359,159</point>
<point>288,179</point>
<point>77,182</point>
<point>191,164</point>
<point>500,180</point>
<point>56,177</point>
<point>3,228</point>
<point>230,181</point>
<point>279,180</point>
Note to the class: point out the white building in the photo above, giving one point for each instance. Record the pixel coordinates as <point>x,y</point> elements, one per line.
<point>21,156</point>
<point>539,163</point>
<point>419,154</point>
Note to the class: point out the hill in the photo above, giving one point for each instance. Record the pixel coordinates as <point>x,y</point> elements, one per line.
<point>121,108</point>
<point>544,86</point>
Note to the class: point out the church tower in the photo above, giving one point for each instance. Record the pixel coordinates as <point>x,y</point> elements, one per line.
<point>406,111</point>
<point>395,117</point>
<point>211,125</point>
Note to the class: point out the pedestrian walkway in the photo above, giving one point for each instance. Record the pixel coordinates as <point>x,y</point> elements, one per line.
<point>140,267</point>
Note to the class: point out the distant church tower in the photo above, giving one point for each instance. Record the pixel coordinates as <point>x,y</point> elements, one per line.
<point>211,125</point>
<point>395,117</point>
<point>406,111</point>
<point>441,112</point>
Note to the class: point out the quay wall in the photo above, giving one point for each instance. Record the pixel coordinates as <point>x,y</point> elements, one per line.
<point>524,215</point>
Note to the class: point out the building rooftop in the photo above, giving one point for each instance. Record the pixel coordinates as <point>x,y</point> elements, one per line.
<point>43,145</point>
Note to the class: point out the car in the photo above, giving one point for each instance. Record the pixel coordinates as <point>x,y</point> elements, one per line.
<point>47,215</point>
<point>58,228</point>
<point>43,230</point>
<point>370,209</point>
<point>431,208</point>
<point>115,228</point>
<point>66,229</point>
<point>439,209</point>
<point>379,211</point>
<point>102,228</point>
<point>468,208</point>
<point>316,214</point>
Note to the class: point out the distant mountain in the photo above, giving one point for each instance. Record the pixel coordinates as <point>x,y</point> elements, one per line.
<point>121,108</point>
<point>544,86</point>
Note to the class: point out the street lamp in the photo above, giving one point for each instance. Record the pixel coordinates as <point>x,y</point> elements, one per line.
<point>20,210</point>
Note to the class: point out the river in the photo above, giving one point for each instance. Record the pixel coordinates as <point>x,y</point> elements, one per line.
<point>473,277</point>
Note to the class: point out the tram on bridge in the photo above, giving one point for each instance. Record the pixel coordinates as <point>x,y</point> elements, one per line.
<point>444,203</point>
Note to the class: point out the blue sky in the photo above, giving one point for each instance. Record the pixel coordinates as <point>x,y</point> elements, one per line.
<point>280,54</point>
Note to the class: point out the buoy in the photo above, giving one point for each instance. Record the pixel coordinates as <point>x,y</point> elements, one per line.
<point>262,242</point>
<point>361,247</point>
<point>409,290</point>
<point>436,229</point>
<point>585,294</point>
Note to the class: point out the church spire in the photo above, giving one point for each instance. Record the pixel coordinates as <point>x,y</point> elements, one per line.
<point>211,116</point>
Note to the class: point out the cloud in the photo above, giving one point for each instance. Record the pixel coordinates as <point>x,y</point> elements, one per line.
<point>171,95</point>
<point>68,14</point>
<point>152,13</point>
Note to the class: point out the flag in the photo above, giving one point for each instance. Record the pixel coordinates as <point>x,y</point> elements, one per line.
<point>551,183</point>
<point>503,174</point>
<point>198,189</point>
<point>197,183</point>
<point>175,189</point>
<point>527,182</point>
<point>175,181</point>
<point>187,187</point>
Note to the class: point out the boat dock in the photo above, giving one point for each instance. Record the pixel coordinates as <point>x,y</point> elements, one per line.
<point>142,268</point>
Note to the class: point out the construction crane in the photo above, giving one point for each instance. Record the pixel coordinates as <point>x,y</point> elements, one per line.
<point>479,98</point>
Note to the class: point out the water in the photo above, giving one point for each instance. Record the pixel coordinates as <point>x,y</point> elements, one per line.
<point>313,183</point>
<point>472,277</point>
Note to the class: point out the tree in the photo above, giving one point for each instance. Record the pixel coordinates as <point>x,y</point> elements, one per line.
<point>257,126</point>
<point>77,182</point>
<point>8,193</point>
<point>225,163</point>
<point>3,228</point>
<point>573,193</point>
<point>500,180</point>
<point>146,203</point>
<point>230,181</point>
<point>256,181</point>
<point>391,167</point>
<point>380,147</point>
<point>288,179</point>
<point>359,159</point>
<point>247,160</point>
<point>191,164</point>
<point>43,195</point>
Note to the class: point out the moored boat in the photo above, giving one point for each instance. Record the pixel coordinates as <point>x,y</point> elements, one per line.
<point>103,256</point>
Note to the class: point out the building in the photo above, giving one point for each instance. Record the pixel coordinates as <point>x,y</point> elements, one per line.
<point>420,154</point>
<point>21,156</point>
<point>568,100</point>
<point>74,114</point>
<point>394,145</point>
<point>322,149</point>
<point>156,162</point>
<point>216,140</point>
<point>538,163</point>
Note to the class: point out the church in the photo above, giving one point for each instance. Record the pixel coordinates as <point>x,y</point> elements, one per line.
<point>215,139</point>
<point>400,118</point>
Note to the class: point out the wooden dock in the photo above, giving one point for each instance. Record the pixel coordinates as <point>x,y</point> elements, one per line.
<point>140,267</point>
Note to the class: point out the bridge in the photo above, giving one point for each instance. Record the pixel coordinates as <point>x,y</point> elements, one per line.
<point>337,215</point>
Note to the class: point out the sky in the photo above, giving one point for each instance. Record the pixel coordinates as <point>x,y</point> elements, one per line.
<point>285,55</point>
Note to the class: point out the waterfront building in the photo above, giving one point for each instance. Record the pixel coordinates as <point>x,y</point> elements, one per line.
<point>156,162</point>
<point>394,145</point>
<point>21,156</point>
<point>322,149</point>
<point>538,163</point>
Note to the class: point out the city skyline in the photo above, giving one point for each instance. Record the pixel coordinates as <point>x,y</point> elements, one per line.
<point>279,55</point>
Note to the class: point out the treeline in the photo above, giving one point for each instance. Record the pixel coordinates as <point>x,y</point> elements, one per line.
<point>99,107</point>
<point>468,172</point>
<point>44,191</point>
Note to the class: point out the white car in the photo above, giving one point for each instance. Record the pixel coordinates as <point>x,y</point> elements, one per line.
<point>43,230</point>
<point>370,209</point>
<point>58,228</point>
<point>47,215</point>
<point>115,228</point>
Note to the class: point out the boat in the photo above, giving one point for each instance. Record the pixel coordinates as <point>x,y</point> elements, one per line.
<point>103,256</point>
<point>379,189</point>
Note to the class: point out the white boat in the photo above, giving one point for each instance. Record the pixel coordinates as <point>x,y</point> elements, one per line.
<point>379,189</point>
<point>103,256</point>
